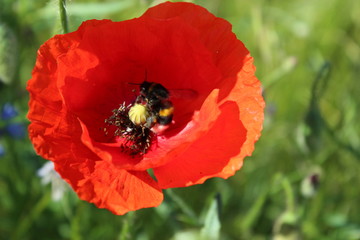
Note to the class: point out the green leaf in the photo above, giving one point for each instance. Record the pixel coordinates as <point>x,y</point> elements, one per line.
<point>8,54</point>
<point>211,229</point>
<point>97,9</point>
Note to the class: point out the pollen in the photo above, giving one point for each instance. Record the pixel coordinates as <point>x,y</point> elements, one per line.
<point>137,138</point>
<point>138,114</point>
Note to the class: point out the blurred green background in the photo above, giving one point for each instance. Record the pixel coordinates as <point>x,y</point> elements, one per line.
<point>303,180</point>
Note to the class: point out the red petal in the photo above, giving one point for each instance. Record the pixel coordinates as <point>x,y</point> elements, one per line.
<point>247,93</point>
<point>166,148</point>
<point>92,89</point>
<point>93,179</point>
<point>209,154</point>
<point>59,143</point>
<point>169,148</point>
<point>119,190</point>
<point>215,33</point>
<point>238,84</point>
<point>56,134</point>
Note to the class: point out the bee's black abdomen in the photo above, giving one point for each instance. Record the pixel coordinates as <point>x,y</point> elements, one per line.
<point>165,120</point>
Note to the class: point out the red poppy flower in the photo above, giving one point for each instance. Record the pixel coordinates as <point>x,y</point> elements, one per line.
<point>81,77</point>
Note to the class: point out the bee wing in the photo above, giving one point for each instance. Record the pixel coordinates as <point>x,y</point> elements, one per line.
<point>187,94</point>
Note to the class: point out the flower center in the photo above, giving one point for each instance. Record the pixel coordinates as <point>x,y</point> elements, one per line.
<point>137,137</point>
<point>137,123</point>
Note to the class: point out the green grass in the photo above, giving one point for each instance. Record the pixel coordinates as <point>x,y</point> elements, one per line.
<point>307,55</point>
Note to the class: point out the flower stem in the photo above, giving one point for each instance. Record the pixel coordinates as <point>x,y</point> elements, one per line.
<point>63,16</point>
<point>183,206</point>
<point>289,194</point>
<point>28,220</point>
<point>126,228</point>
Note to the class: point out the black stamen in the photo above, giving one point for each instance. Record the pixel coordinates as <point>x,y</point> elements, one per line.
<point>137,138</point>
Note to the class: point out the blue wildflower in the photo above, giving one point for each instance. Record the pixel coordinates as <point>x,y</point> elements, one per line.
<point>8,111</point>
<point>2,150</point>
<point>16,130</point>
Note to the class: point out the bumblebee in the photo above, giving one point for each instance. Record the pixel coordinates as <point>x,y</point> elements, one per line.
<point>152,106</point>
<point>137,138</point>
<point>138,123</point>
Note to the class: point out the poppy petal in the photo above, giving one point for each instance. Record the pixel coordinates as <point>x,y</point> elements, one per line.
<point>119,190</point>
<point>247,94</point>
<point>55,133</point>
<point>239,83</point>
<point>227,51</point>
<point>209,154</point>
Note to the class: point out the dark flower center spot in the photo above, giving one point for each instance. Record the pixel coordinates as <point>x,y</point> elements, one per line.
<point>137,137</point>
<point>134,122</point>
